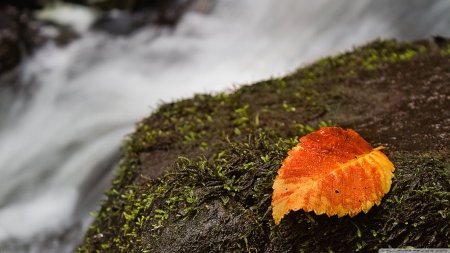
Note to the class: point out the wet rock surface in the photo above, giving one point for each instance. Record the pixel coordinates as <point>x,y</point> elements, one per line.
<point>221,152</point>
<point>411,112</point>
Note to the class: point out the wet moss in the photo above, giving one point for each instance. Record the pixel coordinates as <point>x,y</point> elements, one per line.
<point>197,174</point>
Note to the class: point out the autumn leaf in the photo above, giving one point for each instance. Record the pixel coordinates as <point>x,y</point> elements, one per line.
<point>332,171</point>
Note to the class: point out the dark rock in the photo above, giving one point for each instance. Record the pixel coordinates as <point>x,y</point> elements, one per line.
<point>10,52</point>
<point>169,11</point>
<point>124,22</point>
<point>139,13</point>
<point>197,175</point>
<point>23,4</point>
<point>441,41</point>
<point>18,36</point>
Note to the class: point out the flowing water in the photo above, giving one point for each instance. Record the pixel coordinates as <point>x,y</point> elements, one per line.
<point>60,138</point>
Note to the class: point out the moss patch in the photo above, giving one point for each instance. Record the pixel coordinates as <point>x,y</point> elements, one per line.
<point>220,154</point>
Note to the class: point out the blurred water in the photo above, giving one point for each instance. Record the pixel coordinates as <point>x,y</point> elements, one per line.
<point>57,146</point>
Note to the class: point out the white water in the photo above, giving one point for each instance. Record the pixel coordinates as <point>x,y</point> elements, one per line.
<point>89,94</point>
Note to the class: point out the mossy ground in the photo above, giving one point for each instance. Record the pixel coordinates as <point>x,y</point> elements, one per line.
<point>197,175</point>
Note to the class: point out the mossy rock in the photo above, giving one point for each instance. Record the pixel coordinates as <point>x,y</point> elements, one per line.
<point>197,175</point>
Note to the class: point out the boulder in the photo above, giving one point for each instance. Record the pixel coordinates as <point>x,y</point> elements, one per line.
<point>197,174</point>
<point>136,14</point>
<point>19,36</point>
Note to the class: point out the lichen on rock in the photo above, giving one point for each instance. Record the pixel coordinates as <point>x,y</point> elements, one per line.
<point>197,175</point>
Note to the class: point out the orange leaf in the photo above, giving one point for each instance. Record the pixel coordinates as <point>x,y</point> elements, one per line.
<point>332,171</point>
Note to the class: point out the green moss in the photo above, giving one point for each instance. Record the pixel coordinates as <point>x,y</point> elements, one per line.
<point>370,57</point>
<point>446,50</point>
<point>241,180</point>
<point>220,154</point>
